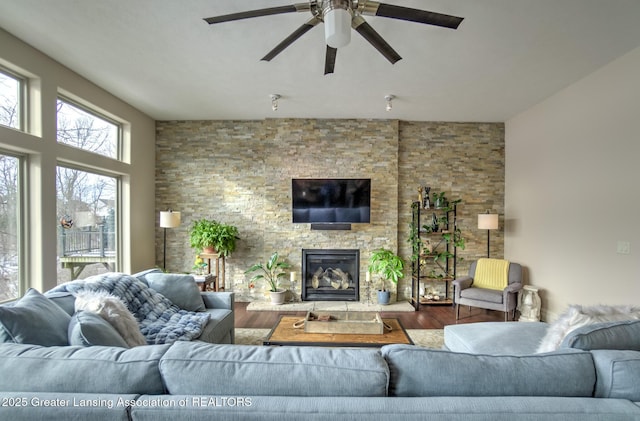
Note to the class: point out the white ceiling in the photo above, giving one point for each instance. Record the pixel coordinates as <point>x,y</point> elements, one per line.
<point>162,58</point>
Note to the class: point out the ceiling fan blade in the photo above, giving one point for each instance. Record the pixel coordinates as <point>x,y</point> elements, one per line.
<point>303,29</point>
<point>330,60</point>
<point>410,14</point>
<point>298,7</point>
<point>364,29</point>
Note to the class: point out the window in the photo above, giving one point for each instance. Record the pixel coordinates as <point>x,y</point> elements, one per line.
<point>87,223</point>
<point>10,183</point>
<point>86,130</point>
<point>10,100</point>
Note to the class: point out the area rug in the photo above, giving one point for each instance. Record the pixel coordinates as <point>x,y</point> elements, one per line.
<point>426,338</point>
<point>402,306</point>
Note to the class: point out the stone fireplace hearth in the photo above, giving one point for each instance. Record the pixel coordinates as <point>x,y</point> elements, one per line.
<point>330,275</point>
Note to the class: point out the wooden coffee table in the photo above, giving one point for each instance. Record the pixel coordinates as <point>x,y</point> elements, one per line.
<point>285,334</point>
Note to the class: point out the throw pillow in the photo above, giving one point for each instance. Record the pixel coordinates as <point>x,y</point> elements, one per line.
<point>181,290</point>
<point>577,316</point>
<point>89,329</point>
<point>34,319</point>
<point>114,311</point>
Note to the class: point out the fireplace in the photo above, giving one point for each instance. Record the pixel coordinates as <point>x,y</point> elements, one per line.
<point>330,275</point>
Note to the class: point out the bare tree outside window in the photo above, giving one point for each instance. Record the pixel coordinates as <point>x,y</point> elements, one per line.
<point>86,201</point>
<point>9,256</point>
<point>86,223</point>
<point>81,129</point>
<point>9,101</point>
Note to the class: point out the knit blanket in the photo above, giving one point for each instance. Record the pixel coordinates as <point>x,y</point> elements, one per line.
<point>160,320</point>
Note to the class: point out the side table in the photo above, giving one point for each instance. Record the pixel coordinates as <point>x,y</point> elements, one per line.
<point>219,274</point>
<point>206,281</point>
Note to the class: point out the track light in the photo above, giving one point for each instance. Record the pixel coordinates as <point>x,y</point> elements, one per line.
<point>389,98</point>
<point>274,101</point>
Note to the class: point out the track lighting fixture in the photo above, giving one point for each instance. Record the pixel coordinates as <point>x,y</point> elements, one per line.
<point>274,101</point>
<point>389,98</point>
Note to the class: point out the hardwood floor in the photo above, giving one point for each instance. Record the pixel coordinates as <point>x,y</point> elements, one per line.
<point>429,317</point>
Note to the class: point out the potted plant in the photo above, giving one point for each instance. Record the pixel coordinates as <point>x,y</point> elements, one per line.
<point>213,237</point>
<point>271,271</point>
<point>390,266</point>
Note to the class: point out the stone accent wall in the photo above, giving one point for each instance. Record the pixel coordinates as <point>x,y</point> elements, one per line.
<point>239,172</point>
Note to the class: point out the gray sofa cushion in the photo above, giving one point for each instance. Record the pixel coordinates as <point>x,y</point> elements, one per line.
<point>618,373</point>
<point>66,406</point>
<point>72,369</point>
<point>609,335</point>
<point>207,369</point>
<point>34,319</point>
<point>65,300</point>
<point>345,408</point>
<point>220,327</point>
<point>181,290</point>
<point>495,338</point>
<point>426,372</point>
<point>89,329</point>
<point>142,276</point>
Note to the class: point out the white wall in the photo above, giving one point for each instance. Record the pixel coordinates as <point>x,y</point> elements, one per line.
<point>46,79</point>
<point>572,172</point>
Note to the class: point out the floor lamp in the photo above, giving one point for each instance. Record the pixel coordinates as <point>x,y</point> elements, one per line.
<point>488,221</point>
<point>168,219</point>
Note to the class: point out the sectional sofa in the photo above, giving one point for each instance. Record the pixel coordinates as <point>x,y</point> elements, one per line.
<point>201,381</point>
<point>197,380</point>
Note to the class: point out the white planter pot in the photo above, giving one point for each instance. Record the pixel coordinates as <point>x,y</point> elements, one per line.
<point>277,298</point>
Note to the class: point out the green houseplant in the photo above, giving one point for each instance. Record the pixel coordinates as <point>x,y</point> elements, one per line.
<point>271,271</point>
<point>390,266</point>
<point>211,234</point>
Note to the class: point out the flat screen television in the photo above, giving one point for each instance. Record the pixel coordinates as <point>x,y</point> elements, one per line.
<point>331,200</point>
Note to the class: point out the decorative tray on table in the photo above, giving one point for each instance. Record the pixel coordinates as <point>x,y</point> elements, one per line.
<point>365,323</point>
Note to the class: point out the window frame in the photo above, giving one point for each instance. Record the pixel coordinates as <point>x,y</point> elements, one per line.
<point>119,197</point>
<point>21,218</point>
<point>96,114</point>
<point>23,89</point>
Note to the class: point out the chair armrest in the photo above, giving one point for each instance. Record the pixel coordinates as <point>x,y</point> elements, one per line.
<point>222,300</point>
<point>514,287</point>
<point>463,282</point>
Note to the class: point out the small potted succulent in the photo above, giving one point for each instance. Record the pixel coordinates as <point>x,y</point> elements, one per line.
<point>390,267</point>
<point>271,271</point>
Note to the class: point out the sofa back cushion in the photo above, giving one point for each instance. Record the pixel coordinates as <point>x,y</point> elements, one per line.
<point>426,372</point>
<point>209,369</point>
<point>610,335</point>
<point>34,319</point>
<point>618,373</point>
<point>72,369</point>
<point>182,290</point>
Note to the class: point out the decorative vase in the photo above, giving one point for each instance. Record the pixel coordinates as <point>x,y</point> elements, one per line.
<point>277,297</point>
<point>384,297</point>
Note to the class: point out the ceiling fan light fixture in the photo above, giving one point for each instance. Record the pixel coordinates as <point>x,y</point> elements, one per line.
<point>337,24</point>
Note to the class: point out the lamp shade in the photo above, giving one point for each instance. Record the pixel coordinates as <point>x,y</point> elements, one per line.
<point>169,219</point>
<point>337,27</point>
<point>488,221</point>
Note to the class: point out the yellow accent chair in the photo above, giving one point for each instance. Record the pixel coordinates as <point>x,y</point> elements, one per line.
<point>491,284</point>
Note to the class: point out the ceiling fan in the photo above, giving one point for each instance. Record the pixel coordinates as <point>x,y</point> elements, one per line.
<point>339,16</point>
